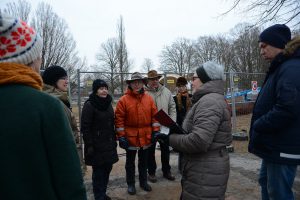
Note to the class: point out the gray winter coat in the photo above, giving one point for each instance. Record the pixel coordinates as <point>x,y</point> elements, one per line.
<point>205,160</point>
<point>163,100</point>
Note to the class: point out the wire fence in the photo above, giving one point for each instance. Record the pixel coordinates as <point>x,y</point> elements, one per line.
<point>241,90</point>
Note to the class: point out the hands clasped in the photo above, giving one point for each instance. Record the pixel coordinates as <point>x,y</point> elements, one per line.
<point>161,137</point>
<point>123,143</point>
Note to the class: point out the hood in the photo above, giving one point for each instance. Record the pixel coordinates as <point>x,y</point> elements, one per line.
<point>215,86</point>
<point>293,47</point>
<point>63,96</point>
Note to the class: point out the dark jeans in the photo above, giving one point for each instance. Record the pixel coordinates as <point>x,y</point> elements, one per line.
<point>276,181</point>
<point>100,179</point>
<point>130,166</point>
<point>165,159</point>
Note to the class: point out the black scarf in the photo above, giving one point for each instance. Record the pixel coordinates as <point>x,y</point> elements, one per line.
<point>99,102</point>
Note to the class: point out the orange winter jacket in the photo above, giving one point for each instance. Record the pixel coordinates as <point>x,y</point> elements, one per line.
<point>135,118</point>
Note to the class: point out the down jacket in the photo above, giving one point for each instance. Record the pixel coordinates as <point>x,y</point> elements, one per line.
<point>275,124</point>
<point>97,127</point>
<point>205,161</point>
<point>135,119</point>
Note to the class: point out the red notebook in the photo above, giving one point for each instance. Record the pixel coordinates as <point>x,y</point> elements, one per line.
<point>164,119</point>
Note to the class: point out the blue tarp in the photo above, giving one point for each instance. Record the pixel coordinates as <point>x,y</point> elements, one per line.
<point>244,93</point>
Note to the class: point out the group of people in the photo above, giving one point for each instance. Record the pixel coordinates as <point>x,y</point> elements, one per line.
<point>38,132</point>
<point>203,149</point>
<point>132,124</point>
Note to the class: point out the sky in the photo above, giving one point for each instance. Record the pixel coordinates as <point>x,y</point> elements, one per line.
<point>149,25</point>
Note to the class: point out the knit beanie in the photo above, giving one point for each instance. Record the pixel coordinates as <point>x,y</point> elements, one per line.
<point>209,71</point>
<point>97,84</point>
<point>277,36</point>
<point>19,43</point>
<point>52,74</point>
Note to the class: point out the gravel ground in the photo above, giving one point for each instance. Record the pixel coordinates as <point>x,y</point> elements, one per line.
<point>242,184</point>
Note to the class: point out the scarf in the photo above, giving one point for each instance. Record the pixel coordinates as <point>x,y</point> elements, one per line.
<point>99,102</point>
<point>188,103</point>
<point>63,96</point>
<point>13,73</point>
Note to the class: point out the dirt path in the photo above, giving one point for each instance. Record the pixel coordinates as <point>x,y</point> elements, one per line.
<point>242,184</point>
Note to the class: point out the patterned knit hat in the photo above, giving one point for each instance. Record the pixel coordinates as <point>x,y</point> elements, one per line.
<point>19,43</point>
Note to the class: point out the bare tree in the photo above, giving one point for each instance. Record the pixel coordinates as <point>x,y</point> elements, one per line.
<point>58,43</point>
<point>20,9</point>
<point>178,57</point>
<point>124,63</point>
<point>246,50</point>
<point>284,11</point>
<point>147,65</point>
<point>205,49</point>
<point>75,63</point>
<point>113,60</point>
<point>108,62</point>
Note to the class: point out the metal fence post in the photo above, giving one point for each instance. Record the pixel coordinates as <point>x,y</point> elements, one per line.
<point>79,95</point>
<point>69,87</point>
<point>233,109</point>
<point>165,79</point>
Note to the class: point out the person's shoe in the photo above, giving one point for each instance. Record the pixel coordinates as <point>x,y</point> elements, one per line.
<point>107,197</point>
<point>169,176</point>
<point>146,187</point>
<point>131,190</point>
<point>152,178</point>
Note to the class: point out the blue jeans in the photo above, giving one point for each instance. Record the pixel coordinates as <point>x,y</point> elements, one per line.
<point>276,181</point>
<point>100,179</point>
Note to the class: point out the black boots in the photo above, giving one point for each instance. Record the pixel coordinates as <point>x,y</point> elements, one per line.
<point>145,186</point>
<point>169,176</point>
<point>131,189</point>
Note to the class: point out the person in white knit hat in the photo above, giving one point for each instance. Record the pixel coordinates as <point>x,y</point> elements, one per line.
<point>205,161</point>
<point>38,154</point>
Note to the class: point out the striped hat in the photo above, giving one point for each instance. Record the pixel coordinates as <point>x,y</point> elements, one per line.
<point>19,43</point>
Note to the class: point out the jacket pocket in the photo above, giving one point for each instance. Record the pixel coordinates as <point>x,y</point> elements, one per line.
<point>132,137</point>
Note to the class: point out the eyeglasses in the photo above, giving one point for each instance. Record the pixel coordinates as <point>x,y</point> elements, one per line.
<point>194,77</point>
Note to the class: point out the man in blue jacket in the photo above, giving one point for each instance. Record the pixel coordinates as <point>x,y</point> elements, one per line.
<point>275,124</point>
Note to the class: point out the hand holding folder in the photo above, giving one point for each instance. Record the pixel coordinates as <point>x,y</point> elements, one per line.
<point>164,119</point>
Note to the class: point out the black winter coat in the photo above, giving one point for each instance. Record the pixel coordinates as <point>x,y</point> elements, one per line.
<point>275,124</point>
<point>97,127</point>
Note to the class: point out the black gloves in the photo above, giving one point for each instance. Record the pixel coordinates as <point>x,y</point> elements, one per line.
<point>176,129</point>
<point>90,151</point>
<point>162,138</point>
<point>123,143</point>
<point>153,136</point>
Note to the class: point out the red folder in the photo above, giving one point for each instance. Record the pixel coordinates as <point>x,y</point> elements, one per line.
<point>164,119</point>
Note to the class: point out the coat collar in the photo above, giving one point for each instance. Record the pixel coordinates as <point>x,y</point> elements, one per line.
<point>215,86</point>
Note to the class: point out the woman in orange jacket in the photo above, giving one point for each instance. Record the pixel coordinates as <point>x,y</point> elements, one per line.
<point>135,124</point>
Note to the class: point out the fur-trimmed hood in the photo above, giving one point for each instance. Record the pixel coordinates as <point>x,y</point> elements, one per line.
<point>292,47</point>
